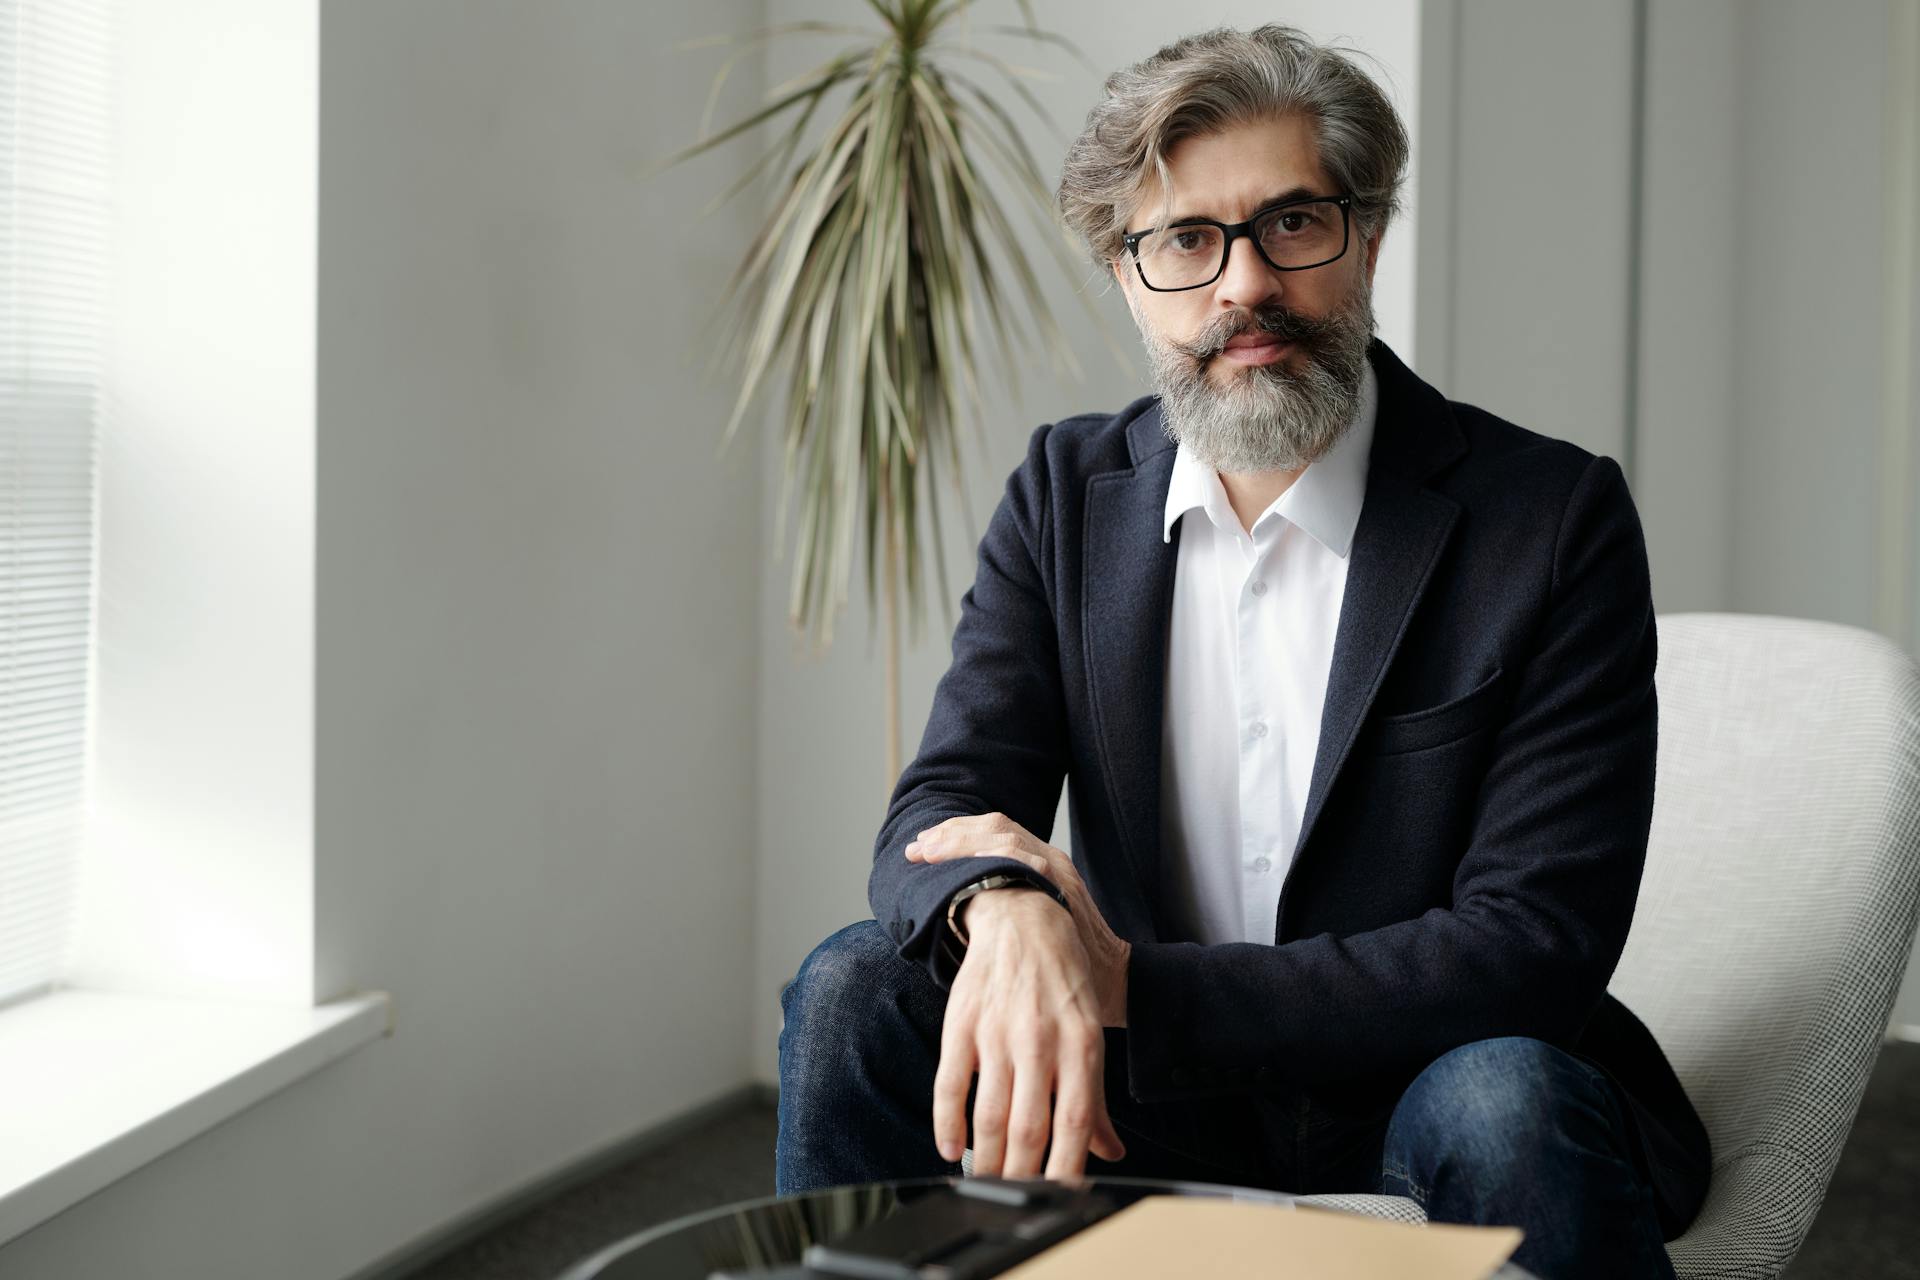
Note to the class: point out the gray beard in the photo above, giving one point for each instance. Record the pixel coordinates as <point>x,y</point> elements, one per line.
<point>1268,418</point>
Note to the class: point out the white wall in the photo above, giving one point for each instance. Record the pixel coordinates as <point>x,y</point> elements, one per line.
<point>196,871</point>
<point>536,614</point>
<point>824,788</point>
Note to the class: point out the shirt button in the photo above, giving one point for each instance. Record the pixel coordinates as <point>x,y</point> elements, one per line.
<point>1259,728</point>
<point>1259,586</point>
<point>1261,863</point>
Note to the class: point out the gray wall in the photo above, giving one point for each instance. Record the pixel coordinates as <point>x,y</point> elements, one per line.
<point>1738,365</point>
<point>1738,370</point>
<point>1776,438</point>
<point>1808,371</point>
<point>1683,477</point>
<point>1524,247</point>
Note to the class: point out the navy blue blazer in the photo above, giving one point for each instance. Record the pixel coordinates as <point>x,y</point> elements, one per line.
<point>1477,819</point>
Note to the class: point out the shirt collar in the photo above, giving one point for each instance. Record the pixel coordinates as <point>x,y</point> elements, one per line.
<point>1325,499</point>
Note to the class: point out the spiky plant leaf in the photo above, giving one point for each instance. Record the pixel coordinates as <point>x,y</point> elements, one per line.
<point>883,258</point>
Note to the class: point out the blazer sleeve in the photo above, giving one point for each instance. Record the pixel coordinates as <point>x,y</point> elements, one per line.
<point>1542,896</point>
<point>995,740</point>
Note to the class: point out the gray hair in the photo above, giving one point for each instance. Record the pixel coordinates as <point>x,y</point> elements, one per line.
<point>1203,83</point>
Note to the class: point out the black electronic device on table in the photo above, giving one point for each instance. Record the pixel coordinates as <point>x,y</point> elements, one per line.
<point>969,1230</point>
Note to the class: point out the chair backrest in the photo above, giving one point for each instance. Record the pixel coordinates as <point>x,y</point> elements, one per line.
<point>1779,901</point>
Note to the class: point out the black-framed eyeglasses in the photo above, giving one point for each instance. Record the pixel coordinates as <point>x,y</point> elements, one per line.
<point>1292,235</point>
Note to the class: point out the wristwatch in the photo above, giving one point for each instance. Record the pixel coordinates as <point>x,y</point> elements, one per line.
<point>995,881</point>
<point>968,890</point>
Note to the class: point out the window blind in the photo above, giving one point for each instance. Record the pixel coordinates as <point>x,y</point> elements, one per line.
<point>55,133</point>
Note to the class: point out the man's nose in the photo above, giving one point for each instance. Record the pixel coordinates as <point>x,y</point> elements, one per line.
<point>1247,280</point>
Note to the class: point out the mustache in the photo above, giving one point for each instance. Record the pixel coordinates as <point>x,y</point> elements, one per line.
<point>1273,318</point>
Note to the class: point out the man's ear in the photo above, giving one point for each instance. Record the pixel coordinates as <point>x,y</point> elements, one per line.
<point>1126,291</point>
<point>1373,253</point>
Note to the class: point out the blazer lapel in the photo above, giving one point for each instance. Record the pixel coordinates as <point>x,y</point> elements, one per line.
<point>1403,528</point>
<point>1127,606</point>
<point>1128,601</point>
<point>1401,533</point>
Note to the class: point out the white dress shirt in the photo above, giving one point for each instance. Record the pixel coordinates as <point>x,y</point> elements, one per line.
<point>1254,617</point>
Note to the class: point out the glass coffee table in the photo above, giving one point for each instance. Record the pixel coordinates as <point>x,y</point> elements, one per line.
<point>776,1230</point>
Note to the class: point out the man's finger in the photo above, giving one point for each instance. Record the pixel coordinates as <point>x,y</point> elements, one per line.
<point>1106,1139</point>
<point>991,1101</point>
<point>1027,1123</point>
<point>1073,1118</point>
<point>1039,862</point>
<point>960,844</point>
<point>969,824</point>
<point>968,820</point>
<point>950,1083</point>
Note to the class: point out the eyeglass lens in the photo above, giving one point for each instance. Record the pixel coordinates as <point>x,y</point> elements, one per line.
<point>1292,237</point>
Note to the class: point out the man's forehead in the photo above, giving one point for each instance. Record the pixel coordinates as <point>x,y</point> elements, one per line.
<point>1229,173</point>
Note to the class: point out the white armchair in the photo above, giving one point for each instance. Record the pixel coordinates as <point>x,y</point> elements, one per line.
<point>1777,909</point>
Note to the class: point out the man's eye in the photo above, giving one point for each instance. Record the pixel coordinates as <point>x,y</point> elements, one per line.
<point>1187,241</point>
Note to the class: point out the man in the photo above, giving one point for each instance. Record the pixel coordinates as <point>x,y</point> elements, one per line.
<point>1354,688</point>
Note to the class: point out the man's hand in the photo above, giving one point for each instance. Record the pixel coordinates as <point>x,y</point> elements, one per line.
<point>997,835</point>
<point>1022,1011</point>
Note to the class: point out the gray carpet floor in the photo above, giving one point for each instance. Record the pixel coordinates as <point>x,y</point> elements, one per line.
<point>1869,1225</point>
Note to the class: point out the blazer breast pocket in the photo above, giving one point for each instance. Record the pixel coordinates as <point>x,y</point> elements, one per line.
<point>1436,726</point>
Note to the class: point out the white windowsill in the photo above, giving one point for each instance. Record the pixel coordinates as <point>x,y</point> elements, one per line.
<point>97,1084</point>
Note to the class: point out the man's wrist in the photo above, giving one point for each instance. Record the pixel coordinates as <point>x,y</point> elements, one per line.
<point>997,899</point>
<point>955,937</point>
<point>958,900</point>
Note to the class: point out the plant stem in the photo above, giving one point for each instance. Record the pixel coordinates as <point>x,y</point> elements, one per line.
<point>893,644</point>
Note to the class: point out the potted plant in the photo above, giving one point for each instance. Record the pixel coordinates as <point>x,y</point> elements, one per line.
<point>881,258</point>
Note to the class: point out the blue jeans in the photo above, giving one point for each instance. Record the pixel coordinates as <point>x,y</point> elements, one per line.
<point>1510,1131</point>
